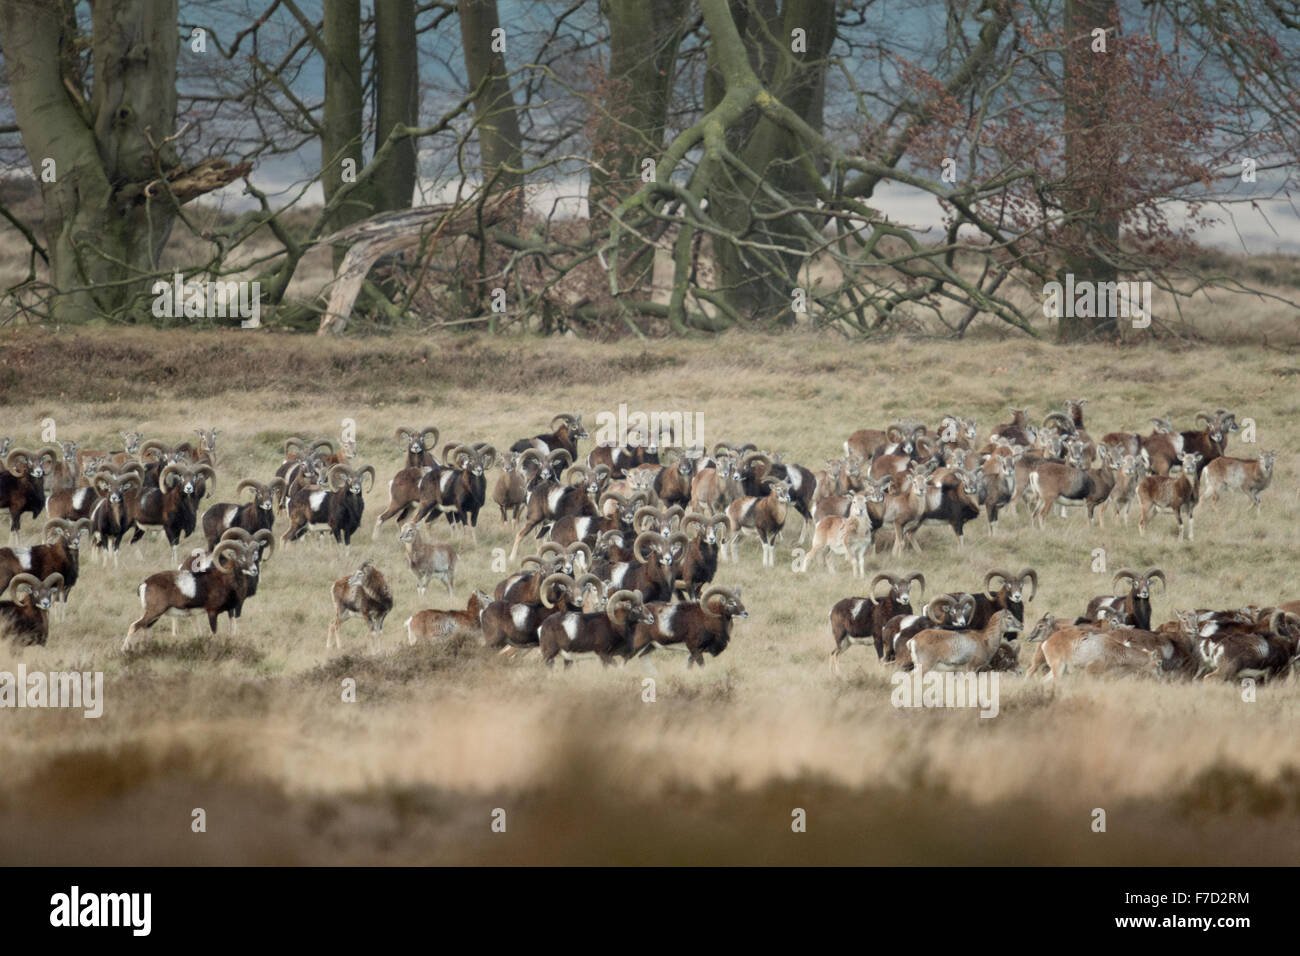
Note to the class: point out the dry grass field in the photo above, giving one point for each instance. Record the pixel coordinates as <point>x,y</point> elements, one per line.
<point>254,730</point>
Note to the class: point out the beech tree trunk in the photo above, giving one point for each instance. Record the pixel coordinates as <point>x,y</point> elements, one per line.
<point>397,99</point>
<point>499,141</point>
<point>644,36</point>
<point>92,156</point>
<point>341,131</point>
<point>1089,130</point>
<point>797,79</point>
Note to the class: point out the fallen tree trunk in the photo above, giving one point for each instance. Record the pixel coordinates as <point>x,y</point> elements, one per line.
<point>371,239</point>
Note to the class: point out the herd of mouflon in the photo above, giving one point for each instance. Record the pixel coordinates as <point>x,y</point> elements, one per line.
<point>630,538</point>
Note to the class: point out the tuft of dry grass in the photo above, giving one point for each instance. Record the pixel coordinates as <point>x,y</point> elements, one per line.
<point>256,730</point>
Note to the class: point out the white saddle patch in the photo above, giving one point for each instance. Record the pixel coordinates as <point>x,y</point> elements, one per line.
<point>186,584</point>
<point>664,620</point>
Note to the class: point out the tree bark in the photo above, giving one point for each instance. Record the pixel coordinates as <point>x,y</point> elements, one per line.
<point>772,152</point>
<point>644,36</point>
<point>341,130</point>
<point>499,140</point>
<point>100,242</point>
<point>1088,130</point>
<point>397,99</point>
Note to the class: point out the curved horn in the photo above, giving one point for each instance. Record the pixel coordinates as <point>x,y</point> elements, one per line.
<point>23,579</point>
<point>60,525</point>
<point>335,472</point>
<point>552,547</point>
<point>1156,574</point>
<point>208,473</point>
<point>916,576</point>
<point>884,576</point>
<point>172,469</point>
<point>608,496</point>
<point>1032,576</point>
<point>226,547</point>
<point>458,455</point>
<point>996,573</point>
<point>602,589</point>
<point>643,537</point>
<point>646,511</point>
<point>967,602</point>
<point>267,540</point>
<point>618,599</point>
<point>580,547</point>
<point>716,591</point>
<point>1125,573</point>
<point>18,457</point>
<point>294,445</point>
<point>257,486</point>
<point>942,601</point>
<point>367,470</point>
<point>558,577</point>
<point>153,444</point>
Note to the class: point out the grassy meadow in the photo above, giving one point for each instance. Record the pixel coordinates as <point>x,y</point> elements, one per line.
<point>254,730</point>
